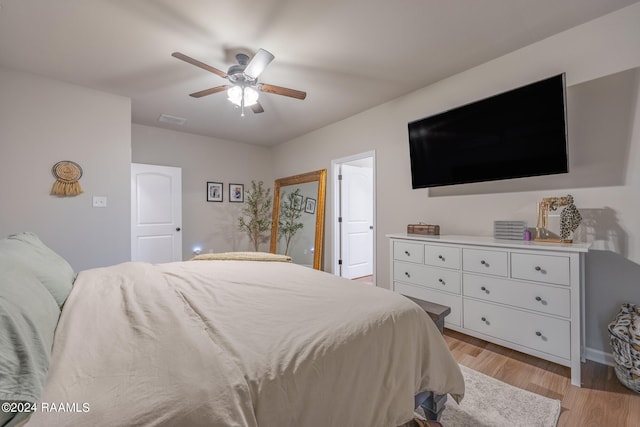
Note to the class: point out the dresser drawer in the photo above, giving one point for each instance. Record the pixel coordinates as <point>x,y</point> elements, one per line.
<point>422,275</point>
<point>541,268</point>
<point>546,334</point>
<point>410,252</point>
<point>442,256</point>
<point>532,296</point>
<point>483,261</point>
<point>425,294</point>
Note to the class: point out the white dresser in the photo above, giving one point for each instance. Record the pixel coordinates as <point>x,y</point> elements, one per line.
<point>528,296</point>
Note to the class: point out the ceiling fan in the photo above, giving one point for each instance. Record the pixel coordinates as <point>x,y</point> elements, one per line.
<point>244,87</point>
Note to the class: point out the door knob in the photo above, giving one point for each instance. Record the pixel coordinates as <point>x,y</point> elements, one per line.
<point>177,228</point>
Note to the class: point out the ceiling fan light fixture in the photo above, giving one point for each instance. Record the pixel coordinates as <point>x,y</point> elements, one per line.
<point>236,93</point>
<point>243,90</point>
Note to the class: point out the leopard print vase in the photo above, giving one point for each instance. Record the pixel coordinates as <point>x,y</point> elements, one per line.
<point>625,343</point>
<point>570,219</point>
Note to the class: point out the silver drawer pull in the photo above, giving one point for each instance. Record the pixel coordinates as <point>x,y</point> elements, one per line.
<point>406,273</point>
<point>442,281</point>
<point>407,253</point>
<point>441,257</point>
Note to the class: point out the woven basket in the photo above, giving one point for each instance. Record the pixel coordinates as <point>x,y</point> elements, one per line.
<point>423,229</point>
<point>625,343</point>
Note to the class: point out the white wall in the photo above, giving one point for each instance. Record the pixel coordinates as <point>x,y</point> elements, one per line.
<point>44,121</point>
<point>601,48</point>
<point>212,226</point>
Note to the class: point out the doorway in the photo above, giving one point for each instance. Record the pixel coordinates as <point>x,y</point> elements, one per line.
<point>156,213</point>
<point>354,216</point>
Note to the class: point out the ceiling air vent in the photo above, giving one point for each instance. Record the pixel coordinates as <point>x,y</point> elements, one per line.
<point>166,118</point>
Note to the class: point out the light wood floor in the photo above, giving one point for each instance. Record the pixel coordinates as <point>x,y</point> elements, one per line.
<point>365,279</point>
<point>601,401</point>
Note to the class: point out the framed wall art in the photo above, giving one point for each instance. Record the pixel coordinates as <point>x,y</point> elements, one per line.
<point>214,191</point>
<point>236,193</point>
<point>310,205</point>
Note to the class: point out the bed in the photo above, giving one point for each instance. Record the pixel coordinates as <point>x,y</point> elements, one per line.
<point>221,342</point>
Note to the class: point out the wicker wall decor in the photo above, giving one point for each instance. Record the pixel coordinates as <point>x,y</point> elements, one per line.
<point>67,174</point>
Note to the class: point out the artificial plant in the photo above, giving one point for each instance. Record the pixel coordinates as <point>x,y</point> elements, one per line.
<point>256,219</point>
<point>290,212</point>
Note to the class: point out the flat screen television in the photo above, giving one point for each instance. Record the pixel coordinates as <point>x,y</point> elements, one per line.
<point>515,134</point>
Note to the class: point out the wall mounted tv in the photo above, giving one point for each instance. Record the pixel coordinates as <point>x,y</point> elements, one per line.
<point>515,134</point>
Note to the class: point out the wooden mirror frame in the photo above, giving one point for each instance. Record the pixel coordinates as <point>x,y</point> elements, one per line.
<point>321,177</point>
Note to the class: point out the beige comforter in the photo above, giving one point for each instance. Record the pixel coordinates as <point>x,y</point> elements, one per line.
<point>239,343</point>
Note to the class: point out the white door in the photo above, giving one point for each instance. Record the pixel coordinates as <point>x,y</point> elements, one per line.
<point>156,213</point>
<point>357,221</point>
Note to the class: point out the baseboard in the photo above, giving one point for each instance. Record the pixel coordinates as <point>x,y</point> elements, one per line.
<point>599,356</point>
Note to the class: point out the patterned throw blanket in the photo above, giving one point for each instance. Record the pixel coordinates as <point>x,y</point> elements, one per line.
<point>243,256</point>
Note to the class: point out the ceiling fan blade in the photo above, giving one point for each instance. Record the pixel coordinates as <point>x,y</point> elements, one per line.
<point>279,90</point>
<point>258,63</point>
<point>210,91</point>
<point>257,108</point>
<point>197,63</point>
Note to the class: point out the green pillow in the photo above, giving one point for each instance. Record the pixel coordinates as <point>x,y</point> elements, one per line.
<point>28,318</point>
<point>51,269</point>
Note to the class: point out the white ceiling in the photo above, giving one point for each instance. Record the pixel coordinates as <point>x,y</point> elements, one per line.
<point>348,55</point>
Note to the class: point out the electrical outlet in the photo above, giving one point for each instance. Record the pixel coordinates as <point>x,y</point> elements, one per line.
<point>99,201</point>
